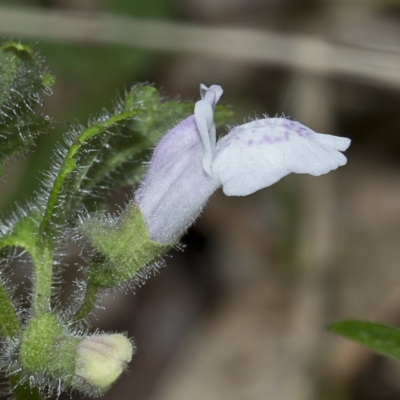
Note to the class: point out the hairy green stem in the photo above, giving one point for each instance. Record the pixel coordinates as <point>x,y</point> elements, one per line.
<point>88,303</point>
<point>24,235</point>
<point>44,266</point>
<point>42,278</point>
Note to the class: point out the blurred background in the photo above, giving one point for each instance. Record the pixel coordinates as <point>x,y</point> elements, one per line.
<point>241,314</point>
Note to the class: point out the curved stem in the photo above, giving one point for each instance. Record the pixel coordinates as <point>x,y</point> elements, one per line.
<point>88,302</point>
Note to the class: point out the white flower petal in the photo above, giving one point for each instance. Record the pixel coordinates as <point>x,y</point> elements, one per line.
<point>256,155</point>
<point>204,116</point>
<point>333,142</point>
<point>211,94</point>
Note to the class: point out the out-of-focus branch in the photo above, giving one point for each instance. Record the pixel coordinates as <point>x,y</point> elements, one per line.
<point>369,32</point>
<point>298,51</point>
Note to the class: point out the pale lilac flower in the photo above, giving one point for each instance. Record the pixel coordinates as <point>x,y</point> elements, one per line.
<point>188,164</point>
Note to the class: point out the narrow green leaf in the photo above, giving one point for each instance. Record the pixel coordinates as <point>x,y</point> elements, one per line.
<point>381,338</point>
<point>22,86</point>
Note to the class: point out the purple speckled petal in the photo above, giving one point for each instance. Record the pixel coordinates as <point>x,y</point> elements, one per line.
<point>257,154</point>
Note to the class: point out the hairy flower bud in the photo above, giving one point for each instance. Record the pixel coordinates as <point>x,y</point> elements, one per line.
<point>101,359</point>
<point>50,354</point>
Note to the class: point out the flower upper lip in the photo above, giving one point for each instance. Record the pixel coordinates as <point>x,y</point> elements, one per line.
<point>204,116</point>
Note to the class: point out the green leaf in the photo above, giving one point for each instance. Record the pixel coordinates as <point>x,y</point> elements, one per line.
<point>22,86</point>
<point>381,338</point>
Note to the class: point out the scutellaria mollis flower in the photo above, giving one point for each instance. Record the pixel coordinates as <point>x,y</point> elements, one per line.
<point>188,165</point>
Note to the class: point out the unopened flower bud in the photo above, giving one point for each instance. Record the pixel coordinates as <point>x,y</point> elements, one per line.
<point>101,359</point>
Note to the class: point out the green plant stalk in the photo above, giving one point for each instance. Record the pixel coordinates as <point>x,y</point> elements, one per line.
<point>88,303</point>
<point>25,235</point>
<point>42,253</point>
<point>42,260</point>
<point>42,278</point>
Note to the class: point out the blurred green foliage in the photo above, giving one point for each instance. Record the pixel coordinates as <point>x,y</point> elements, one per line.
<point>22,85</point>
<point>88,77</point>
